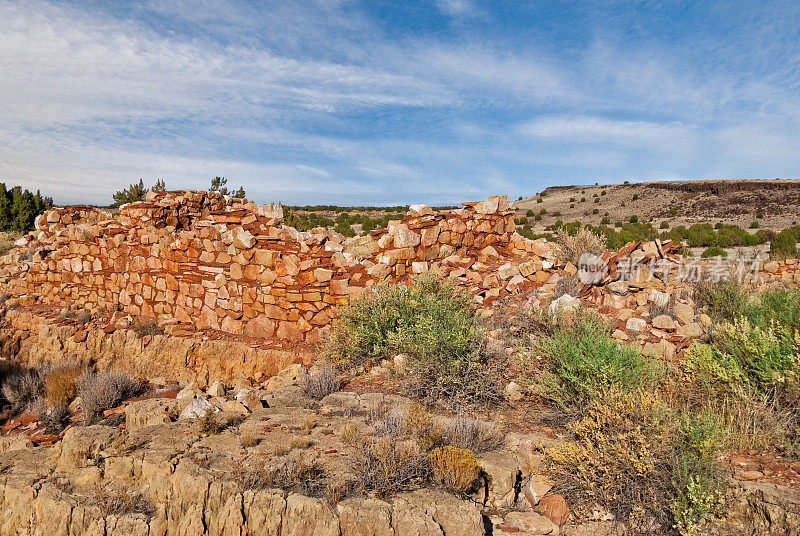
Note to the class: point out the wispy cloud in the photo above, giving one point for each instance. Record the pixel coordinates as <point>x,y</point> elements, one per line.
<point>337,100</point>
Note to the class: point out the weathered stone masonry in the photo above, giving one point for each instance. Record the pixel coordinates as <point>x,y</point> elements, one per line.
<point>227,264</point>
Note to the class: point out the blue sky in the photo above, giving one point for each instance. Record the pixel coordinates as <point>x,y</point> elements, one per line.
<point>387,102</point>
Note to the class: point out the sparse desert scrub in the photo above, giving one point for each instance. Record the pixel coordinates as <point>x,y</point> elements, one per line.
<point>22,387</point>
<point>572,246</point>
<point>384,466</point>
<point>321,383</point>
<point>433,324</point>
<point>617,459</point>
<point>147,327</point>
<point>100,391</point>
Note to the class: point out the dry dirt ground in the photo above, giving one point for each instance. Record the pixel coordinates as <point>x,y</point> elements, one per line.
<point>678,202</point>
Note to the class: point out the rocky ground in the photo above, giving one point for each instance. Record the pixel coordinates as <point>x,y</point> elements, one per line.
<point>271,459</point>
<point>679,203</point>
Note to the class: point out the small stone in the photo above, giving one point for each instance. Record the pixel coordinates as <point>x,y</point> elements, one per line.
<point>664,322</point>
<point>513,392</point>
<point>527,523</point>
<point>190,391</point>
<point>536,487</point>
<point>636,324</point>
<point>419,210</point>
<point>564,303</point>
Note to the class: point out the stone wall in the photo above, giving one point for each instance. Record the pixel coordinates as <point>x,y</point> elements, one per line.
<point>219,263</point>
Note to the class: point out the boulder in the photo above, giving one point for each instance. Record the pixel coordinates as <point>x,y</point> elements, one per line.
<point>197,409</point>
<point>564,303</point>
<point>554,507</point>
<point>525,524</point>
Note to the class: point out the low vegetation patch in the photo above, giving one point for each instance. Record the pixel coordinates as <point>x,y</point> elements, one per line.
<point>587,362</point>
<point>100,391</point>
<point>430,322</point>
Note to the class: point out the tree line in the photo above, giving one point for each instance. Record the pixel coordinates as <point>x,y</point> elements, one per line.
<point>18,208</point>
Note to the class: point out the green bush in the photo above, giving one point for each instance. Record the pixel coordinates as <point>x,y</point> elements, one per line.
<point>539,200</point>
<point>780,306</point>
<point>784,244</point>
<point>586,362</point>
<point>430,322</point>
<point>696,476</point>
<point>635,197</point>
<point>596,211</point>
<point>754,225</point>
<point>766,356</point>
<point>634,218</point>
<point>724,300</point>
<point>714,251</point>
<point>529,213</point>
<point>665,224</point>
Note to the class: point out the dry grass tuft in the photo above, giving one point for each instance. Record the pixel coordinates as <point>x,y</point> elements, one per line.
<point>147,326</point>
<point>454,468</point>
<point>469,433</point>
<point>22,388</point>
<point>114,499</point>
<point>385,466</point>
<point>100,391</point>
<point>321,383</point>
<point>60,384</point>
<point>571,247</point>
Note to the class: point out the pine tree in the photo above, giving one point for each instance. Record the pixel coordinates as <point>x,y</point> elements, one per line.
<point>135,192</point>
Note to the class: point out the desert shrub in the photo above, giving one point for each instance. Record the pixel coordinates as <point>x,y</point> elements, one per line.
<point>420,426</point>
<point>471,434</point>
<point>144,327</point>
<point>664,224</point>
<point>723,300</point>
<point>432,323</point>
<point>54,419</point>
<point>696,477</point>
<point>634,219</point>
<point>67,312</point>
<point>539,200</point>
<point>765,356</point>
<point>22,387</point>
<point>60,383</point>
<point>780,306</point>
<point>586,361</point>
<point>529,213</point>
<point>713,251</point>
<point>571,247</point>
<point>100,391</point>
<point>320,383</point>
<point>754,224</point>
<point>568,284</point>
<point>617,459</point>
<point>454,468</point>
<point>384,466</point>
<point>84,316</point>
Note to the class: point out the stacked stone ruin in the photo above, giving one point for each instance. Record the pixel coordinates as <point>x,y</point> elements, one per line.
<point>220,263</point>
